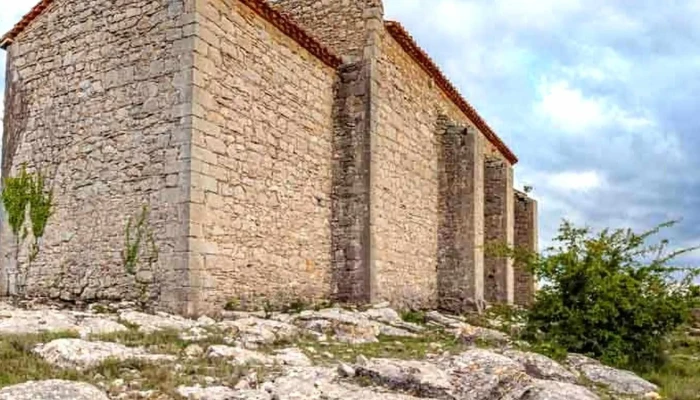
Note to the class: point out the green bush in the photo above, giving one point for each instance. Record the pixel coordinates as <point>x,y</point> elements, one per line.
<point>610,295</point>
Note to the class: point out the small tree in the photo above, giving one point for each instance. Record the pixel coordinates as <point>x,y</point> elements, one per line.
<point>610,295</point>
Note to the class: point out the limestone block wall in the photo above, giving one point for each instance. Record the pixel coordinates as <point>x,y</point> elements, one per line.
<point>525,238</point>
<point>460,274</point>
<point>405,176</point>
<point>261,161</point>
<point>97,94</point>
<point>498,225</point>
<point>340,24</point>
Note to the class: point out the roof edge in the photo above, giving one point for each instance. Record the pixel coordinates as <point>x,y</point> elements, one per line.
<point>8,38</point>
<point>279,20</point>
<point>294,30</point>
<point>408,43</point>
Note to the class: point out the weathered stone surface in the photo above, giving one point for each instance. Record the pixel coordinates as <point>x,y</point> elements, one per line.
<point>482,374</point>
<point>443,320</point>
<point>19,321</point>
<point>253,332</point>
<point>238,355</point>
<point>472,334</point>
<point>322,383</point>
<point>81,354</point>
<point>152,323</point>
<point>52,390</point>
<point>418,377</point>
<point>615,380</point>
<point>549,390</point>
<point>207,393</point>
<point>293,357</point>
<point>542,367</point>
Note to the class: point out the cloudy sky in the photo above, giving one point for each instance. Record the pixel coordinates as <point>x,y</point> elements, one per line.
<point>598,98</point>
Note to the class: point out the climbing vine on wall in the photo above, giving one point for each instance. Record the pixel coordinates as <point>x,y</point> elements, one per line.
<point>21,194</point>
<point>136,235</point>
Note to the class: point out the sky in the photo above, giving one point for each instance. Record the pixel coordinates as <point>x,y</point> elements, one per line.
<point>598,99</point>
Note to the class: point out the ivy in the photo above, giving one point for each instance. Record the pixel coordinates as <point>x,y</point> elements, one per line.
<point>137,232</point>
<point>22,194</point>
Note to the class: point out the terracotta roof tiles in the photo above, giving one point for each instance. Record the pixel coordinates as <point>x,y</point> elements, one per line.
<point>261,7</point>
<point>423,59</point>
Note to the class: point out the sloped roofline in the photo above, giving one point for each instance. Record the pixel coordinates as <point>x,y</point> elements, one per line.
<point>261,7</point>
<point>408,43</point>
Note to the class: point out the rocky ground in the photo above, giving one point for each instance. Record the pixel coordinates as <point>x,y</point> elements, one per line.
<point>117,352</point>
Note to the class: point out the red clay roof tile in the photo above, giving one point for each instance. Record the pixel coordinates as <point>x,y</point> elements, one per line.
<point>261,7</point>
<point>423,59</point>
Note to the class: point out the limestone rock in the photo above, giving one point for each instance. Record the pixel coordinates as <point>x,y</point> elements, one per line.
<point>16,321</point>
<point>615,380</point>
<point>256,331</point>
<point>483,374</point>
<point>151,323</point>
<point>471,334</point>
<point>208,393</point>
<point>80,354</point>
<point>421,378</point>
<point>239,355</point>
<point>442,320</point>
<point>292,356</point>
<point>321,383</point>
<point>99,326</point>
<point>386,315</point>
<point>52,390</point>
<point>542,367</point>
<point>550,390</point>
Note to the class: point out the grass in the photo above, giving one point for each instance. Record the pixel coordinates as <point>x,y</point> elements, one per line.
<point>404,348</point>
<point>19,364</point>
<point>679,378</point>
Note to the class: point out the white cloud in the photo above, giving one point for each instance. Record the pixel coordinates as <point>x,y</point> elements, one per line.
<point>569,110</point>
<point>577,181</point>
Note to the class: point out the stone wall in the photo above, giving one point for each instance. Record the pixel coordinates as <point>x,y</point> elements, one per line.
<point>340,24</point>
<point>498,227</point>
<point>405,176</point>
<point>525,238</point>
<point>261,161</point>
<point>97,96</point>
<point>460,274</point>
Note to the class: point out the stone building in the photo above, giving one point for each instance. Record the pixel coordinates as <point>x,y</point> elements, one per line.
<point>292,149</point>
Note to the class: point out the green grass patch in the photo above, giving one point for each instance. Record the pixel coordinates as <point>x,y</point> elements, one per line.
<point>19,364</point>
<point>679,377</point>
<point>404,348</point>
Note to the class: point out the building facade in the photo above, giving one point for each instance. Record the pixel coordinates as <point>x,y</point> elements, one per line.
<point>290,150</point>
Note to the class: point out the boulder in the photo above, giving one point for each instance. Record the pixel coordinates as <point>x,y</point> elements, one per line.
<point>52,390</point>
<point>149,323</point>
<point>253,332</point>
<point>239,355</point>
<point>550,390</point>
<point>472,334</point>
<point>439,319</point>
<point>615,380</point>
<point>319,383</point>
<point>292,357</point>
<point>207,393</point>
<point>542,367</point>
<point>80,354</point>
<point>420,378</point>
<point>483,374</point>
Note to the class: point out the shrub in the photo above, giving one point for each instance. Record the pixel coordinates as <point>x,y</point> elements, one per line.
<point>610,295</point>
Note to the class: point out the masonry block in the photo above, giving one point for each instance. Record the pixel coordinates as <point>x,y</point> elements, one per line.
<point>461,209</point>
<point>526,238</point>
<point>498,224</point>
